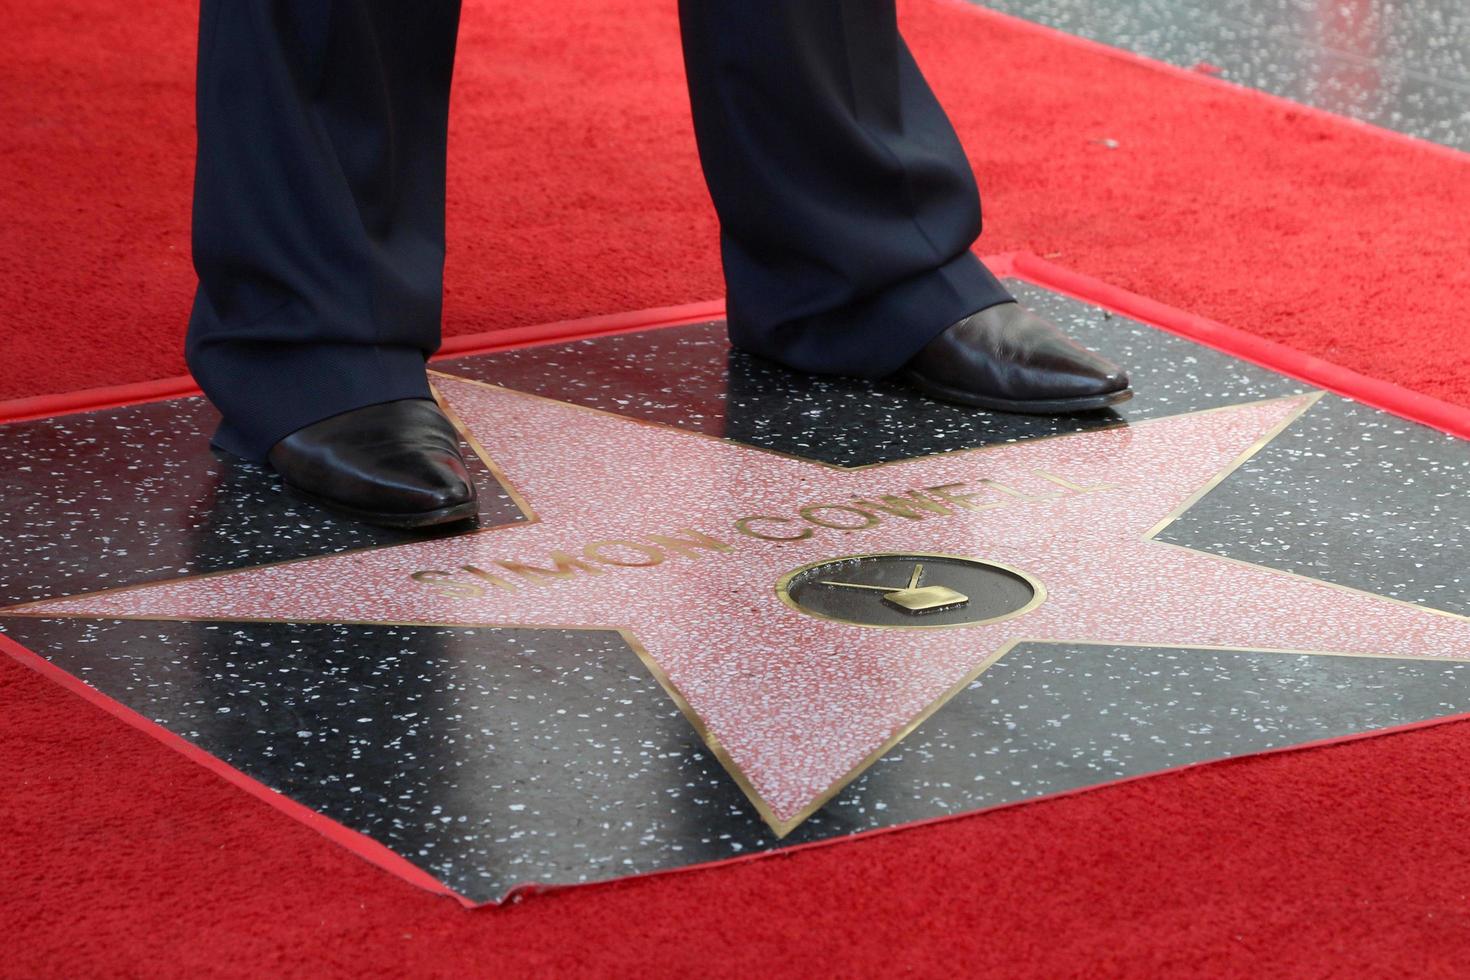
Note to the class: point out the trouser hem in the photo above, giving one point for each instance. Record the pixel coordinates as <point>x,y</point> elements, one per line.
<point>305,385</point>
<point>877,336</point>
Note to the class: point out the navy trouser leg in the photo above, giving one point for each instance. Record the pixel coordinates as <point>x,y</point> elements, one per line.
<point>318,208</point>
<point>846,204</point>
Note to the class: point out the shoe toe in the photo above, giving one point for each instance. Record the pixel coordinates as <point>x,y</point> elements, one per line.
<point>1114,381</point>
<point>428,479</point>
<point>1081,373</point>
<point>1008,358</point>
<point>397,464</point>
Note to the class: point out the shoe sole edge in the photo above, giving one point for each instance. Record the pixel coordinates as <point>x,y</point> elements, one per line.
<point>390,519</point>
<point>1040,406</point>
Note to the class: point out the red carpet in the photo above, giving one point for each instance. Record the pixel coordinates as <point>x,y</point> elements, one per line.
<point>574,191</point>
<point>574,188</point>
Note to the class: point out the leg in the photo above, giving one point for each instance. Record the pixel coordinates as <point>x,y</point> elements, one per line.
<point>847,206</point>
<point>318,208</point>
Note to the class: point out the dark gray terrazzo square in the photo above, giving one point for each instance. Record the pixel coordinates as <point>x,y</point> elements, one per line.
<point>493,758</point>
<point>497,757</point>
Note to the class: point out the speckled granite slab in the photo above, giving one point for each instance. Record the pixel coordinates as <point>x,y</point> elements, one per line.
<point>610,676</point>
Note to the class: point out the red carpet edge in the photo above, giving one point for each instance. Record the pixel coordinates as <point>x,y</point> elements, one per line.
<point>183,385</point>
<point>1384,395</point>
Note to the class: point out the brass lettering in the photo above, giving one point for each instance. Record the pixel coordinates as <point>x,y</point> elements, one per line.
<point>809,512</point>
<point>687,546</point>
<point>597,552</point>
<point>744,527</point>
<point>566,567</point>
<point>441,583</point>
<point>908,506</point>
<point>494,580</point>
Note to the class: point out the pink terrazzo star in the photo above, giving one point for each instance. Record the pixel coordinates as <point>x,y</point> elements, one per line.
<point>797,706</point>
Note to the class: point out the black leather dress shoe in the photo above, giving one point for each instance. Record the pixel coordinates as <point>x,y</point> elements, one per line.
<point>1008,359</point>
<point>396,464</point>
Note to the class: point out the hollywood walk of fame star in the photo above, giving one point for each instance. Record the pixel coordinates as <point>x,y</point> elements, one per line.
<point>796,706</point>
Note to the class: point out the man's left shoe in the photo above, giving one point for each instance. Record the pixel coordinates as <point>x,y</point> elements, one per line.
<point>395,464</point>
<point>1008,359</point>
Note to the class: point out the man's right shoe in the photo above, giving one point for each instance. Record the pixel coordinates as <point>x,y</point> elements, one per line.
<point>1007,359</point>
<point>396,464</point>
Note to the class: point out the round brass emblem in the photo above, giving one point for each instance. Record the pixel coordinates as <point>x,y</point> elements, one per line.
<point>910,591</point>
